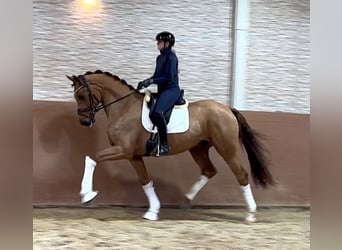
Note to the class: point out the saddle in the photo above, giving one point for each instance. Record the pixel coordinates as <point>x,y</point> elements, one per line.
<point>151,99</point>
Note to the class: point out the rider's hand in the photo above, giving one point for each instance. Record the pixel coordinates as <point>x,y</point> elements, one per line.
<point>145,83</point>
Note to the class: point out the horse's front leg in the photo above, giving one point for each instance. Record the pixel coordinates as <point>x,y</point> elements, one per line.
<point>116,153</point>
<point>87,193</point>
<point>147,184</point>
<point>112,153</point>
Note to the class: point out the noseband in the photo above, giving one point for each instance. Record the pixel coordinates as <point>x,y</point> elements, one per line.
<point>94,104</point>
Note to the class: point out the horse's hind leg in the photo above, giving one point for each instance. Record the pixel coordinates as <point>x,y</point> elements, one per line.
<point>241,175</point>
<point>200,154</point>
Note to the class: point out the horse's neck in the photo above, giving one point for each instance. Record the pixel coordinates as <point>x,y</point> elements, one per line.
<point>112,92</point>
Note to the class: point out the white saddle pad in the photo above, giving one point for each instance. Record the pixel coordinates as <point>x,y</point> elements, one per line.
<point>179,120</point>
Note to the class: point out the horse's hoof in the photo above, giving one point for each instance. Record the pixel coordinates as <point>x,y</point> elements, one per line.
<point>250,218</point>
<point>186,204</point>
<point>151,216</point>
<point>89,197</point>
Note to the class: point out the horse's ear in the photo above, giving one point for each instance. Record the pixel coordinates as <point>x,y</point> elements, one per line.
<point>75,78</point>
<point>70,78</point>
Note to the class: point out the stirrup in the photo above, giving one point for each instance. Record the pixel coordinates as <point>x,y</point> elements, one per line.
<point>162,150</point>
<point>151,143</point>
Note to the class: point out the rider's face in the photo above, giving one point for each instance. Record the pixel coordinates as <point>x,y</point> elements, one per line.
<point>162,45</point>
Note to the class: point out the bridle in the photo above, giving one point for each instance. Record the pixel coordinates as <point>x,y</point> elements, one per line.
<point>94,103</point>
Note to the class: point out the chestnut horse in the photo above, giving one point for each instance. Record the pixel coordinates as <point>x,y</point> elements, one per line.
<point>211,124</point>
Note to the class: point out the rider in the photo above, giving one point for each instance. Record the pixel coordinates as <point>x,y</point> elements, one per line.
<point>166,77</point>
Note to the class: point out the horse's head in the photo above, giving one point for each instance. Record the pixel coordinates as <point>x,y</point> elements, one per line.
<point>87,97</point>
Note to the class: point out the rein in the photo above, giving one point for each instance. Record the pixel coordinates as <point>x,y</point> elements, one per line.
<point>98,108</point>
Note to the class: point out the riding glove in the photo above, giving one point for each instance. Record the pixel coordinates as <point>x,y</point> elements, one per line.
<point>145,83</point>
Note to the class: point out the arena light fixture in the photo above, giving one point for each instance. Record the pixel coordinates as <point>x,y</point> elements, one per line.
<point>87,11</point>
<point>89,2</point>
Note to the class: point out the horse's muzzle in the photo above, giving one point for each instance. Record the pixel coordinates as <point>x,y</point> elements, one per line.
<point>87,122</point>
<point>86,118</point>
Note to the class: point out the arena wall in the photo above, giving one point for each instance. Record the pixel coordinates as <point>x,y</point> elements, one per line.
<point>69,39</point>
<point>60,144</point>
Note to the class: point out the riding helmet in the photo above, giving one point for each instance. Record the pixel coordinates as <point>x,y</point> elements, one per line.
<point>166,36</point>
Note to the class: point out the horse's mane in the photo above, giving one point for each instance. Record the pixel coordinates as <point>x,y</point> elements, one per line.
<point>115,77</point>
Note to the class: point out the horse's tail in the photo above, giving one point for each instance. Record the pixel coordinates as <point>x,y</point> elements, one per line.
<point>256,152</point>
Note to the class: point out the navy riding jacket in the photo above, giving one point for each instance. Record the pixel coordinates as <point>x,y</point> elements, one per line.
<point>166,77</point>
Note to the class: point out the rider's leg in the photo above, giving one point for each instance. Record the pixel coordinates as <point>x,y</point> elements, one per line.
<point>162,131</point>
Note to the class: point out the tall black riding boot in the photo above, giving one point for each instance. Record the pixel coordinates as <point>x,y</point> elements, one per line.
<point>162,131</point>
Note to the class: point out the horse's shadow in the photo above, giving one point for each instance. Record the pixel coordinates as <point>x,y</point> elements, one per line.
<point>64,135</point>
<point>65,143</point>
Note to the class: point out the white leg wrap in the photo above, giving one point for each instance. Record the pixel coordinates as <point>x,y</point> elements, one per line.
<point>248,195</point>
<point>152,197</point>
<point>87,180</point>
<point>197,187</point>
